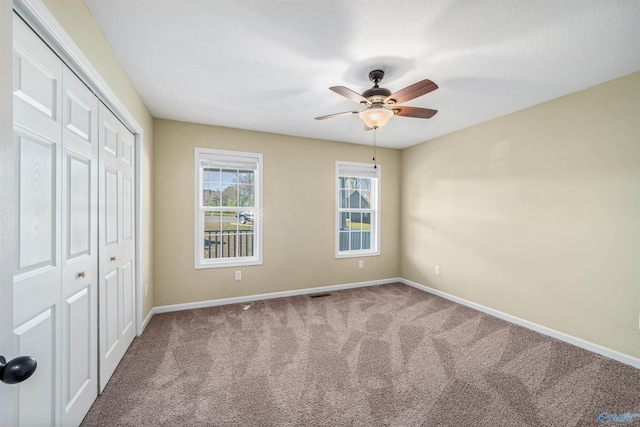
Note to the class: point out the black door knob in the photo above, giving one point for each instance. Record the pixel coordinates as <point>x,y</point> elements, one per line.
<point>17,370</point>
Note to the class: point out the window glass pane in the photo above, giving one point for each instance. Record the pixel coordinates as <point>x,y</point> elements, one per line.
<point>211,234</point>
<point>354,199</point>
<point>229,243</point>
<point>344,221</point>
<point>244,241</point>
<point>366,221</point>
<point>223,239</point>
<point>246,177</point>
<point>245,237</point>
<point>246,195</point>
<point>356,221</point>
<point>229,176</point>
<point>344,199</point>
<point>344,240</point>
<point>233,243</point>
<point>245,219</point>
<point>355,240</point>
<point>365,183</point>
<point>229,195</point>
<point>210,194</point>
<point>212,244</point>
<point>366,240</point>
<point>210,175</point>
<point>353,183</point>
<point>342,182</point>
<point>365,199</point>
<point>210,187</point>
<point>211,221</point>
<point>229,222</point>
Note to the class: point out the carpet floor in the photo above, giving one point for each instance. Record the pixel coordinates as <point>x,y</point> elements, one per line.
<point>387,355</point>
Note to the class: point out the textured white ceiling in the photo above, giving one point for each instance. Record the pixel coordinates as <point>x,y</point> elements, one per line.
<point>266,65</point>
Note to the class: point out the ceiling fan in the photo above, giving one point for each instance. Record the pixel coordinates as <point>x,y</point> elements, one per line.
<point>382,104</point>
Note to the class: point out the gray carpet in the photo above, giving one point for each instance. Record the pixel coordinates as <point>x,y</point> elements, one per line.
<point>388,355</point>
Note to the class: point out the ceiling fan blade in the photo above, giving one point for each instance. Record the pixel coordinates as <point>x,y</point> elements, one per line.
<point>349,94</point>
<point>413,91</point>
<point>421,113</point>
<point>346,113</point>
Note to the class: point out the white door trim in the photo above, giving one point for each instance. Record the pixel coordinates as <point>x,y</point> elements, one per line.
<point>8,343</point>
<point>43,22</point>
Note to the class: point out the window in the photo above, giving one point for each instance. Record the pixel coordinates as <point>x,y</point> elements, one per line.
<point>357,209</point>
<point>227,207</point>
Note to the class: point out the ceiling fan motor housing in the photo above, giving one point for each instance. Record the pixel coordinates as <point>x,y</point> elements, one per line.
<point>379,93</point>
<point>376,95</point>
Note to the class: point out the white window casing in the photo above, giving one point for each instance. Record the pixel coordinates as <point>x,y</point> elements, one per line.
<point>357,209</point>
<point>228,227</point>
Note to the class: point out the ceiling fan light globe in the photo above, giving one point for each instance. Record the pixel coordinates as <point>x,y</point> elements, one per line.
<point>375,117</point>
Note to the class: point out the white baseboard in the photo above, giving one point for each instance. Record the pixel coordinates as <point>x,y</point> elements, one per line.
<point>146,321</point>
<point>578,342</point>
<point>248,298</point>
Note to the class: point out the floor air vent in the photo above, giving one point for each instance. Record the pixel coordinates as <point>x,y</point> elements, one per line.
<point>326,294</point>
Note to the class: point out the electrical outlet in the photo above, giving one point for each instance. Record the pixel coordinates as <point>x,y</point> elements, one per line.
<point>438,271</point>
<point>361,264</point>
<point>238,275</point>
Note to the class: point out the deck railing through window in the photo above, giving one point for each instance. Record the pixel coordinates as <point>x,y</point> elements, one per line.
<point>223,244</point>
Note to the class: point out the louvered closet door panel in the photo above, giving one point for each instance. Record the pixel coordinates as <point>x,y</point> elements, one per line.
<point>37,88</point>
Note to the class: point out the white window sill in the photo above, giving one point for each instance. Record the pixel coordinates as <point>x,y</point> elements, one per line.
<point>231,263</point>
<point>355,254</point>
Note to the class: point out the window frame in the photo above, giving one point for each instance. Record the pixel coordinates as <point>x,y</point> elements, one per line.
<point>355,169</point>
<point>200,261</point>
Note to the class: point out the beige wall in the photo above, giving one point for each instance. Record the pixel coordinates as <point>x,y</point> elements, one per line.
<point>533,214</point>
<point>298,212</point>
<point>536,214</point>
<point>77,21</point>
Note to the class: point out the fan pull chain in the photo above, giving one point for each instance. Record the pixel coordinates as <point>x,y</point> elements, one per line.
<point>375,132</point>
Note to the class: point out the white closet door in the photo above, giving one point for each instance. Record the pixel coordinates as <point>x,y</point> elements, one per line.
<point>37,87</point>
<point>56,274</point>
<point>116,241</point>
<point>79,249</point>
